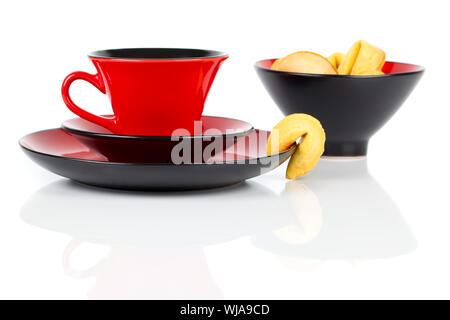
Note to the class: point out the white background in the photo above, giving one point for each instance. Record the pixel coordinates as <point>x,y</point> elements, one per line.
<point>389,238</point>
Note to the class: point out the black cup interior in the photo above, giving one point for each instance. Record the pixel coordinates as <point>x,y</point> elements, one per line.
<point>156,53</point>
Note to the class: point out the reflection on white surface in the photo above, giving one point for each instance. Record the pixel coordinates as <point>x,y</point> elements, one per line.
<point>137,273</point>
<point>156,240</point>
<point>156,219</point>
<point>342,213</point>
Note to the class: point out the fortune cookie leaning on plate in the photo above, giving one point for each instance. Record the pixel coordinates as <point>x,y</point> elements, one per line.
<point>310,148</point>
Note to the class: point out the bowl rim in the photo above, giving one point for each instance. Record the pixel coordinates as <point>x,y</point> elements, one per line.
<point>421,69</point>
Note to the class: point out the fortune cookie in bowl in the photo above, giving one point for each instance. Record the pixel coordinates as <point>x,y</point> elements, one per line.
<point>362,59</point>
<point>336,59</point>
<point>304,62</point>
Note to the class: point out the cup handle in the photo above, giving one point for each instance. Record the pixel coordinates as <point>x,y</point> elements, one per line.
<point>67,267</point>
<point>96,81</point>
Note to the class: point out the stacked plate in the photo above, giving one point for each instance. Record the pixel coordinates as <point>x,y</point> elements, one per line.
<point>88,153</point>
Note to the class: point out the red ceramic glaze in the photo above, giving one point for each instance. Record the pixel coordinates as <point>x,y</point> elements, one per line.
<point>207,127</point>
<point>156,149</point>
<point>61,153</point>
<point>60,143</point>
<point>396,67</point>
<point>153,91</point>
<point>388,68</point>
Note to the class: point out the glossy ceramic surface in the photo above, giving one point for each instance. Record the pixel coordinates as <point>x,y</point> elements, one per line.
<point>60,152</point>
<point>207,127</point>
<point>153,91</point>
<point>155,149</point>
<point>350,108</point>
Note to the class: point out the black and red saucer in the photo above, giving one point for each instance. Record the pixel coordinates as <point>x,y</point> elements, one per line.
<point>90,154</point>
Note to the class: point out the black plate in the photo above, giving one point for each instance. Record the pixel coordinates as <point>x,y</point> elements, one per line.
<point>60,152</point>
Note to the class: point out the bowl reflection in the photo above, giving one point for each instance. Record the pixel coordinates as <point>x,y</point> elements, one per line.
<point>342,213</point>
<point>156,241</point>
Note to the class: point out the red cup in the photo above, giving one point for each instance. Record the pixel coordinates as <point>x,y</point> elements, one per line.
<point>153,91</point>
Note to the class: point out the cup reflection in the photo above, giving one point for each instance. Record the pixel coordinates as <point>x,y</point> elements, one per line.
<point>156,240</point>
<point>147,273</point>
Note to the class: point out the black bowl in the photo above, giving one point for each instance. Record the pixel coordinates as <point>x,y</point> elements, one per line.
<point>350,108</point>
